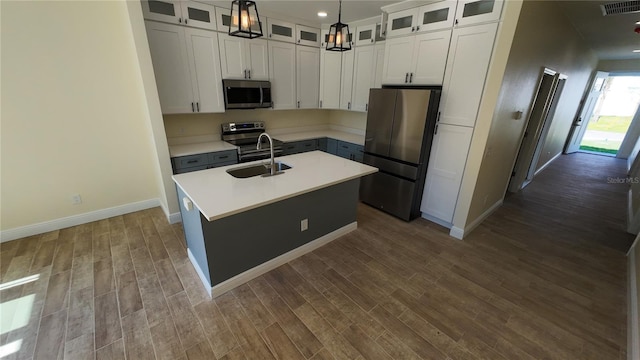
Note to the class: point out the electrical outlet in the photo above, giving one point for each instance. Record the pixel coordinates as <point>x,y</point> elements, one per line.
<point>304,224</point>
<point>76,199</point>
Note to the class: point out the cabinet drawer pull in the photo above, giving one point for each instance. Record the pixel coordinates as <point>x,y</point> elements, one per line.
<point>223,157</point>
<point>192,161</point>
<point>344,146</point>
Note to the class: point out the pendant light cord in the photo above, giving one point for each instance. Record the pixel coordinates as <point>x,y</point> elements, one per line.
<point>340,11</point>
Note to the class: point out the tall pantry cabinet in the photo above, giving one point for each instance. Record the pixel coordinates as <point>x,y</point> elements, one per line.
<point>466,69</point>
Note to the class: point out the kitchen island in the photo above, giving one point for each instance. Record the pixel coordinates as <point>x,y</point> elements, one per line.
<point>237,229</point>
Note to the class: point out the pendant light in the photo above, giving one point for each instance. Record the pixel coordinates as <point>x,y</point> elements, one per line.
<point>245,21</point>
<point>339,36</point>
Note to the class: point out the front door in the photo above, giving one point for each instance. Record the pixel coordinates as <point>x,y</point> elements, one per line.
<point>580,124</point>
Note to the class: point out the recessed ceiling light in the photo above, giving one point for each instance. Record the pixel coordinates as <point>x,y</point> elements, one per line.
<point>322,14</point>
<point>637,22</point>
<point>636,51</point>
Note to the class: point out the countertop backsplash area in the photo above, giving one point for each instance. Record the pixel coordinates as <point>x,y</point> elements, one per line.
<point>197,128</point>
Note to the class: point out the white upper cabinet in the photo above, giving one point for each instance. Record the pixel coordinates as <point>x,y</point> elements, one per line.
<point>188,13</point>
<point>346,79</point>
<point>206,80</point>
<point>365,35</point>
<point>186,68</point>
<point>244,59</point>
<point>416,60</point>
<point>307,76</point>
<point>330,73</point>
<point>429,58</point>
<point>282,68</point>
<point>467,66</point>
<point>436,16</point>
<point>280,30</point>
<point>477,11</point>
<point>402,22</point>
<point>307,36</point>
<point>445,170</point>
<point>363,77</point>
<point>168,47</point>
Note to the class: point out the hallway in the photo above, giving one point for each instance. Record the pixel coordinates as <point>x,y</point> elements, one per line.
<point>572,201</point>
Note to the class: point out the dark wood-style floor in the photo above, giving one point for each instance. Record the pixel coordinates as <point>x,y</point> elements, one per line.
<point>540,279</point>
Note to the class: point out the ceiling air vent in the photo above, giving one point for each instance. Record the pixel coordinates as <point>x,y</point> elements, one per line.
<point>622,7</point>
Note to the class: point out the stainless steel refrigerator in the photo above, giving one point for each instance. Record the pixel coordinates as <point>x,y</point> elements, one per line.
<point>401,124</point>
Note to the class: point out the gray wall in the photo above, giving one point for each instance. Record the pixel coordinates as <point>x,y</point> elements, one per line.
<point>543,38</point>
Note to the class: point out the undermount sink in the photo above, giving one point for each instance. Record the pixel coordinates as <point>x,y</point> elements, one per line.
<point>255,170</point>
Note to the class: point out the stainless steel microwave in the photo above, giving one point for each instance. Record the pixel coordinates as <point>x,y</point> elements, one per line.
<point>246,94</point>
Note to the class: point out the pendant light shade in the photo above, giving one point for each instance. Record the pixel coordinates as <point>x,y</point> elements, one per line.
<point>339,38</point>
<point>245,21</point>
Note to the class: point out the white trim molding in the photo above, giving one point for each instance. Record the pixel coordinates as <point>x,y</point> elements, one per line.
<point>459,233</point>
<point>253,273</point>
<point>633,331</point>
<point>203,278</point>
<point>56,224</point>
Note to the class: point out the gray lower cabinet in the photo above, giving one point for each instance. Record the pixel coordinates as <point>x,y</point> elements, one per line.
<point>350,151</point>
<point>340,148</point>
<point>296,147</point>
<point>184,164</point>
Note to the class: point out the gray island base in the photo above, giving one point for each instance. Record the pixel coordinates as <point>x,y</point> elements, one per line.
<point>232,250</point>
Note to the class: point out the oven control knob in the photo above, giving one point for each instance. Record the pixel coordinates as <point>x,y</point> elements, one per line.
<point>233,127</point>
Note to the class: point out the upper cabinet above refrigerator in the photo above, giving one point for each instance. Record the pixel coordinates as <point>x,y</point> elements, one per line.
<point>471,12</point>
<point>189,13</point>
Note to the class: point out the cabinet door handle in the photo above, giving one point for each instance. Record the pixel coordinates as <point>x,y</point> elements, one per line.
<point>185,21</point>
<point>406,78</point>
<point>349,105</point>
<point>180,20</point>
<point>298,41</point>
<point>298,104</point>
<point>320,103</point>
<point>198,106</point>
<point>366,107</point>
<point>270,35</point>
<point>249,72</point>
<point>245,73</point>
<point>413,29</point>
<point>417,28</point>
<point>371,40</point>
<point>193,109</point>
<point>411,78</point>
<point>456,21</point>
<point>438,118</point>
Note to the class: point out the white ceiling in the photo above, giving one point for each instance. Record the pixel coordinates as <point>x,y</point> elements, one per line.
<point>307,10</point>
<point>611,37</point>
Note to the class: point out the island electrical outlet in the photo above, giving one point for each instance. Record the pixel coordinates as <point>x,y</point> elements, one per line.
<point>304,224</point>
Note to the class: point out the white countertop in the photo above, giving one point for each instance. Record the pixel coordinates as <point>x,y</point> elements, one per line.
<point>217,194</point>
<point>334,134</point>
<point>200,148</point>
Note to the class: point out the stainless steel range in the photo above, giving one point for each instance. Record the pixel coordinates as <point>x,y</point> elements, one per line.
<point>245,136</point>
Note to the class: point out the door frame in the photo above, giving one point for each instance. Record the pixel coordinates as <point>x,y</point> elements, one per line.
<point>587,106</point>
<point>534,132</point>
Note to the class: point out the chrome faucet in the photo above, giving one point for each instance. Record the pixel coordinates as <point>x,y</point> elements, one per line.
<point>259,146</point>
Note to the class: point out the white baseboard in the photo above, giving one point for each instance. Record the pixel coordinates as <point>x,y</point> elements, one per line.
<point>175,218</point>
<point>205,282</point>
<point>253,273</point>
<point>436,220</point>
<point>51,225</point>
<point>546,164</point>
<point>633,331</point>
<point>474,224</point>
<point>456,233</point>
